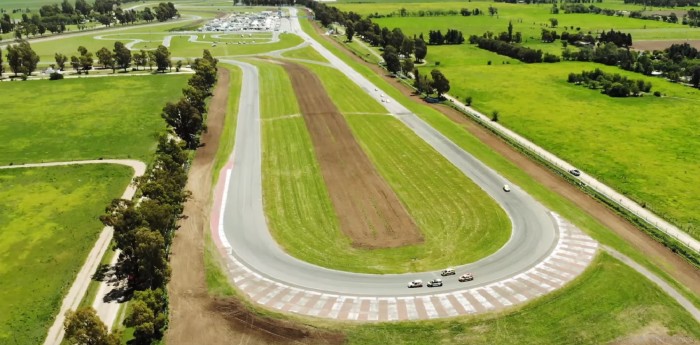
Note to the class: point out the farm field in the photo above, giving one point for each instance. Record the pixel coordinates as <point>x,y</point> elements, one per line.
<point>563,118</point>
<point>48,224</point>
<point>52,124</point>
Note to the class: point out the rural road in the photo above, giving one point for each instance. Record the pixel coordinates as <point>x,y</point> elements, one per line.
<point>77,291</point>
<point>543,253</point>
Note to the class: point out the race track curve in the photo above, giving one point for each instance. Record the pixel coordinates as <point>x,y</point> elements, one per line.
<point>544,252</point>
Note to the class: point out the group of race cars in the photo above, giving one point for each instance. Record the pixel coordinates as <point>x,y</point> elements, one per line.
<point>438,282</point>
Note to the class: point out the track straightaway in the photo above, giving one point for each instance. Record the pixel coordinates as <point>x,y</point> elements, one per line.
<point>543,253</point>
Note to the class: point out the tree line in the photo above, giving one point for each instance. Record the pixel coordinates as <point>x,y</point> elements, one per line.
<point>664,3</point>
<point>403,12</point>
<point>144,228</point>
<point>613,85</point>
<point>435,37</point>
<point>506,44</point>
<point>680,62</point>
<point>54,17</point>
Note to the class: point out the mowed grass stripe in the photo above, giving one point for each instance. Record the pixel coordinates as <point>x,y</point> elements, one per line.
<point>305,53</point>
<point>48,224</point>
<point>460,222</point>
<point>76,119</point>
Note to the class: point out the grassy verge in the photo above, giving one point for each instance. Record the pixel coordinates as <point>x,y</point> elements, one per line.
<point>228,134</point>
<point>217,279</point>
<point>48,224</point>
<point>305,53</point>
<point>484,153</point>
<point>91,292</point>
<point>120,119</point>
<point>609,301</point>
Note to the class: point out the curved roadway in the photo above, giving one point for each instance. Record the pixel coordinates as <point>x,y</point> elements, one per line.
<point>543,253</point>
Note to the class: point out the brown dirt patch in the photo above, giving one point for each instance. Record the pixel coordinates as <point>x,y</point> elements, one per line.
<point>674,265</point>
<point>654,334</point>
<point>369,212</point>
<point>663,44</point>
<point>196,317</point>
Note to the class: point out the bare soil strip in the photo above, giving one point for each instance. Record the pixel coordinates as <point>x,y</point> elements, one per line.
<point>196,317</point>
<point>368,210</point>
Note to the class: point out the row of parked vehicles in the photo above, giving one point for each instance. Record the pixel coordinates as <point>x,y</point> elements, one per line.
<point>438,282</point>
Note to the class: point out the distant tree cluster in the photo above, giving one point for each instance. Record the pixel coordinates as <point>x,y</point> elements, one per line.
<point>21,58</point>
<point>451,37</point>
<point>403,12</point>
<point>619,38</point>
<point>524,54</point>
<point>54,17</point>
<point>429,84</point>
<point>664,3</point>
<point>613,85</point>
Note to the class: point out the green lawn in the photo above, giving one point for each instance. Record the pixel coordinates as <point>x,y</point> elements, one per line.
<point>484,153</point>
<point>228,134</point>
<point>305,53</point>
<point>87,118</point>
<point>609,301</point>
<point>48,224</point>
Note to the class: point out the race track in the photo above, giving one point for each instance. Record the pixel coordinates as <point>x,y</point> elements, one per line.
<point>544,252</point>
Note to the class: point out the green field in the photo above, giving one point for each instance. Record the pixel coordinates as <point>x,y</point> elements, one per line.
<point>85,118</point>
<point>48,224</point>
<point>608,302</point>
<point>305,53</point>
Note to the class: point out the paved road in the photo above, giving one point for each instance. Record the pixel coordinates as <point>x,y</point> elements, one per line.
<point>77,291</point>
<point>590,181</point>
<point>543,253</point>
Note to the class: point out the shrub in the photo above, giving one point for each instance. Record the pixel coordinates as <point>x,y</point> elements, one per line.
<point>55,76</point>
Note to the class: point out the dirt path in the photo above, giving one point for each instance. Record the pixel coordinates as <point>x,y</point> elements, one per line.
<point>196,317</point>
<point>655,251</point>
<point>82,280</point>
<point>368,210</point>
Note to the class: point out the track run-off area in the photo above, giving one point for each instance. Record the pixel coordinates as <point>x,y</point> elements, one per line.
<point>544,252</point>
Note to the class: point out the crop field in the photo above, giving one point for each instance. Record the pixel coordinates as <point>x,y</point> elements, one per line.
<point>608,302</point>
<point>62,120</point>
<point>48,224</point>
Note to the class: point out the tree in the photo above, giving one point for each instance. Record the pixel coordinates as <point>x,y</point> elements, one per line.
<point>122,55</point>
<point>196,97</point>
<point>349,30</point>
<point>61,61</point>
<point>75,63</point>
<point>420,50</point>
<point>554,21</point>
<point>104,57</point>
<point>84,327</point>
<point>142,319</point>
<point>494,116</point>
<point>468,101</point>
<point>407,65</point>
<point>185,119</point>
<point>391,57</point>
<point>440,83</point>
<point>152,268</point>
<point>85,58</point>
<point>510,31</point>
<point>162,58</point>
<point>21,58</point>
<point>2,65</point>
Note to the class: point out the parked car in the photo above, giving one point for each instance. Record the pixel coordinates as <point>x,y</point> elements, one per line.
<point>447,272</point>
<point>467,277</point>
<point>415,284</point>
<point>435,283</point>
<point>575,172</point>
<point>506,188</point>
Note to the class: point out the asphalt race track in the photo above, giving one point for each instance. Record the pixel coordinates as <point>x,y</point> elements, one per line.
<point>543,253</point>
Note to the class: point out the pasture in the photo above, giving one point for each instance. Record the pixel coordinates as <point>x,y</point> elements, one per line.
<point>84,118</point>
<point>48,224</point>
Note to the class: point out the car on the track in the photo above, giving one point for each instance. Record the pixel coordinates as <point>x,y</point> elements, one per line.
<point>435,283</point>
<point>506,188</point>
<point>467,277</point>
<point>575,172</point>
<point>415,284</point>
<point>448,272</point>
